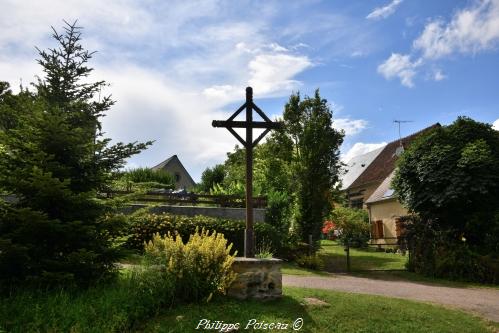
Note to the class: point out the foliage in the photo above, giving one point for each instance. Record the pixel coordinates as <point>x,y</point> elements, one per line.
<point>54,160</point>
<point>316,164</point>
<point>328,229</point>
<point>199,268</point>
<point>450,178</point>
<point>352,225</point>
<point>231,189</point>
<point>278,213</point>
<point>147,175</point>
<point>264,251</point>
<point>111,307</point>
<point>310,261</point>
<point>437,253</point>
<point>144,225</point>
<point>210,177</point>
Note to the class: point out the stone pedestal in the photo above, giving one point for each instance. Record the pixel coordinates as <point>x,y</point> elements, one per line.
<point>256,279</point>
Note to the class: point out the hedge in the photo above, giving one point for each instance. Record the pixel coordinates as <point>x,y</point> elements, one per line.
<point>143,225</point>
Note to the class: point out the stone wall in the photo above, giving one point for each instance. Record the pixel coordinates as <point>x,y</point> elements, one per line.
<point>222,212</point>
<point>256,279</point>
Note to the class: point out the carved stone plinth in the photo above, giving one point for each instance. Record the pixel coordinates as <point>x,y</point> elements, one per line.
<point>256,279</point>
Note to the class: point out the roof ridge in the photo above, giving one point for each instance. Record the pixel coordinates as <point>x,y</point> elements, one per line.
<point>435,125</point>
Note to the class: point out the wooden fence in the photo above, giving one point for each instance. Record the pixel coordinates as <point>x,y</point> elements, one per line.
<point>232,201</point>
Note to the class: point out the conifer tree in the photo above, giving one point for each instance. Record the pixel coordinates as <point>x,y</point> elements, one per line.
<point>53,162</point>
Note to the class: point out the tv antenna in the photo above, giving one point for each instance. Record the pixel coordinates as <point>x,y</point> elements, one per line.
<point>400,122</point>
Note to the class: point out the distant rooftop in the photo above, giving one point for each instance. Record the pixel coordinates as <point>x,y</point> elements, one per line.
<point>356,166</point>
<point>384,162</point>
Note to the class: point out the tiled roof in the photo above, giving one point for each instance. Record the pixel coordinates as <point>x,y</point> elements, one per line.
<point>356,166</point>
<point>384,190</point>
<point>384,163</point>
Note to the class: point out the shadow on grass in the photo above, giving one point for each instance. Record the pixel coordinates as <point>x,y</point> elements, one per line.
<point>406,276</point>
<point>338,263</point>
<point>193,317</point>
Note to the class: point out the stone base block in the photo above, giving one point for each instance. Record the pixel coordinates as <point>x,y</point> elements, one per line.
<point>256,279</point>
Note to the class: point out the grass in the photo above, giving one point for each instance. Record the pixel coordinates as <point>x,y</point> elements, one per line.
<point>115,307</point>
<point>334,257</point>
<point>374,265</point>
<point>344,313</point>
<point>124,306</point>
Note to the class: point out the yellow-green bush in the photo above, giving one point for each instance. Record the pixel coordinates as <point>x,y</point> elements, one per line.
<point>200,267</point>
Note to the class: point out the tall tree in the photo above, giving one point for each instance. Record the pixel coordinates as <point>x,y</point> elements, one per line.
<point>316,163</point>
<point>54,160</point>
<point>212,176</point>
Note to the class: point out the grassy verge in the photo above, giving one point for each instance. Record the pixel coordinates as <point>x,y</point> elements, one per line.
<point>120,308</point>
<point>113,307</point>
<point>343,313</point>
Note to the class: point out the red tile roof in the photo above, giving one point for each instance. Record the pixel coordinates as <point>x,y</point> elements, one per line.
<point>384,163</point>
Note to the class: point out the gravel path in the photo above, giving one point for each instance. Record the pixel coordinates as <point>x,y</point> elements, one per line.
<point>483,302</point>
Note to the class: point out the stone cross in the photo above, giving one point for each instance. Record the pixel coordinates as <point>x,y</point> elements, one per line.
<point>248,144</point>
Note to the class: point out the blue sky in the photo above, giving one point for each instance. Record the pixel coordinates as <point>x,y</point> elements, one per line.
<point>173,66</point>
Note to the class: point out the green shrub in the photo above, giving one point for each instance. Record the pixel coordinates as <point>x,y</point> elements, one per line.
<point>146,175</point>
<point>446,254</point>
<point>144,225</point>
<point>200,267</point>
<point>264,251</point>
<point>278,212</point>
<point>310,261</point>
<point>353,225</point>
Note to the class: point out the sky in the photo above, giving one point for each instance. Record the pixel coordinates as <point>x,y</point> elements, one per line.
<point>174,66</point>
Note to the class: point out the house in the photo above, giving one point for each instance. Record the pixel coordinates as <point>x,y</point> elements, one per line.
<point>366,184</point>
<point>182,178</point>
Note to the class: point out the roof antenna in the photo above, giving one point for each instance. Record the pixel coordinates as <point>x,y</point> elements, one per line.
<point>400,149</point>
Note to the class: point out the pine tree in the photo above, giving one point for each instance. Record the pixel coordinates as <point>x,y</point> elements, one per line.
<point>54,160</point>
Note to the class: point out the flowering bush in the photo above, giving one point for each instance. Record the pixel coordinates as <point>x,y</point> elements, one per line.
<point>200,267</point>
<point>352,226</point>
<point>328,229</point>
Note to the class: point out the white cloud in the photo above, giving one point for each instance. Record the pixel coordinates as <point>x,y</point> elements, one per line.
<point>360,148</point>
<point>495,125</point>
<point>173,67</point>
<point>401,66</point>
<point>438,75</point>
<point>471,30</point>
<point>350,126</point>
<point>270,71</point>
<point>385,11</point>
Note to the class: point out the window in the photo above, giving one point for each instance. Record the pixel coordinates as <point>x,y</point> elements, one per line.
<point>177,177</point>
<point>357,203</point>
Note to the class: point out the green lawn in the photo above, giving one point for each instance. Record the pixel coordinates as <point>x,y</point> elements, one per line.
<point>334,257</point>
<point>344,313</point>
<point>118,307</point>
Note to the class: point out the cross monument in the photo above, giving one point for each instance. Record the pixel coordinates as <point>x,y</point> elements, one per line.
<point>248,144</point>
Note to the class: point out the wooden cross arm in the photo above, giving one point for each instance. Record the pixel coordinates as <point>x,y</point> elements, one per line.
<point>244,124</point>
